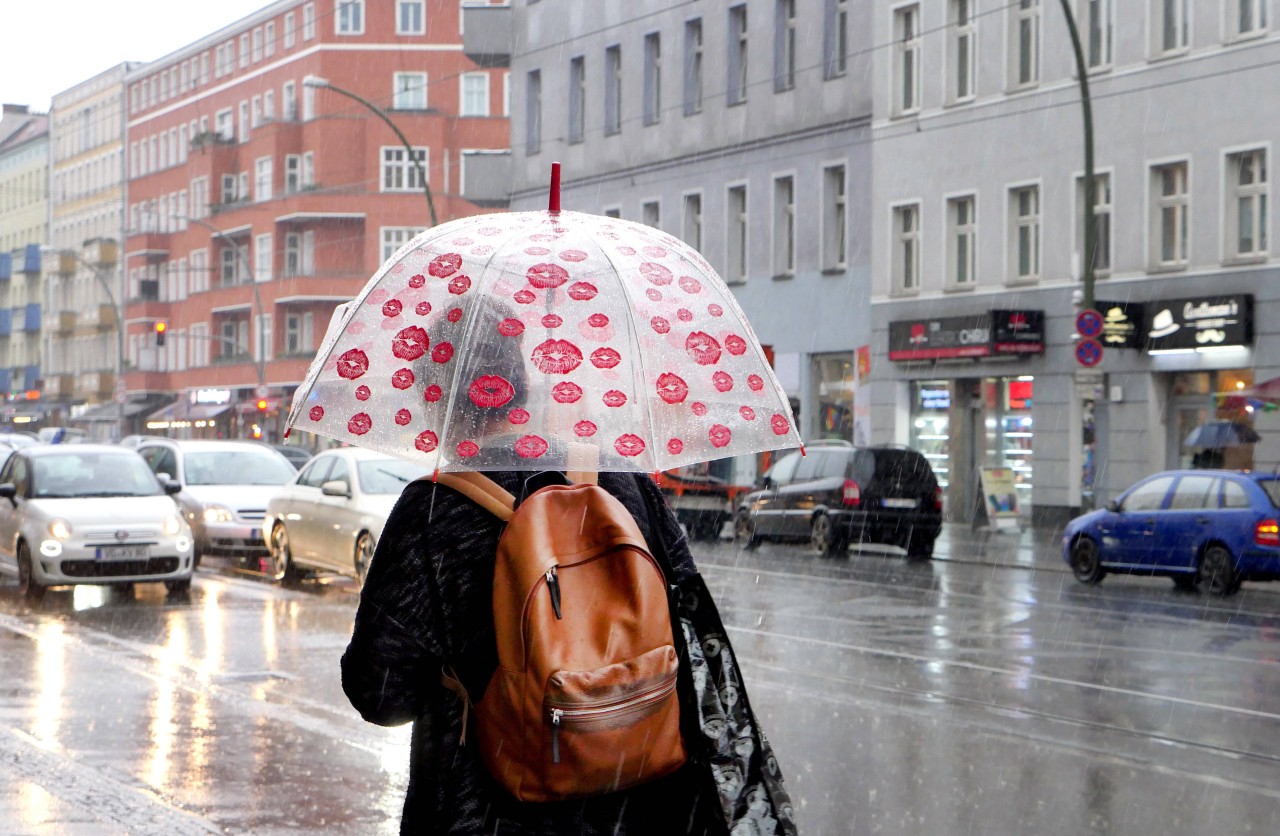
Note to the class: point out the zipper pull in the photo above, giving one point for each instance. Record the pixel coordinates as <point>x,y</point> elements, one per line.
<point>553,586</point>
<point>555,734</point>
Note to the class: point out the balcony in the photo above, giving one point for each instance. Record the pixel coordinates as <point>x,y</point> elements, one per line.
<point>95,384</point>
<point>6,323</point>
<point>98,316</point>
<point>152,245</point>
<point>6,267</point>
<point>102,252</point>
<point>31,259</point>
<point>59,386</point>
<point>486,35</point>
<point>66,322</point>
<point>67,264</point>
<point>30,316</point>
<point>486,177</point>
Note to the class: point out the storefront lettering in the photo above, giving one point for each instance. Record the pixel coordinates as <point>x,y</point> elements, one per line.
<point>935,399</point>
<point>1204,310</point>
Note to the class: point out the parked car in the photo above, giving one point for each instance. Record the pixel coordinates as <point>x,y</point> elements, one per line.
<point>297,456</point>
<point>1203,528</point>
<point>17,440</point>
<point>836,494</point>
<point>62,435</point>
<point>225,486</point>
<point>331,515</point>
<point>89,513</point>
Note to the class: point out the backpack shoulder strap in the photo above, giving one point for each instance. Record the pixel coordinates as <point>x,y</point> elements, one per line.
<point>481,490</point>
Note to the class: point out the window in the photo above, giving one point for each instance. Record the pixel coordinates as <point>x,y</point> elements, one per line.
<point>691,224</point>
<point>1169,220</point>
<point>835,40</point>
<point>204,68</point>
<point>244,121</point>
<point>693,66</point>
<point>1247,204</point>
<point>1024,51</point>
<point>736,87</point>
<point>299,253</point>
<point>475,94</point>
<point>255,120</point>
<point>1195,492</point>
<point>1235,496</point>
<point>652,78</point>
<point>308,21</point>
<point>292,173</point>
<point>612,90</point>
<point>244,50</point>
<point>784,226</point>
<point>230,194</point>
<point>1024,209</point>
<point>410,91</point>
<point>613,212</point>
<point>577,97</point>
<point>395,237</point>
<point>262,254</point>
<point>410,18</point>
<point>224,125</point>
<point>962,38</point>
<point>1149,495</point>
<point>262,345</point>
<point>200,197</point>
<point>962,240</point>
<point>289,101</point>
<point>298,328</point>
<point>736,238</point>
<point>289,31</point>
<point>533,113</point>
<point>506,94</point>
<point>308,102</point>
<point>235,338</point>
<point>1246,17</point>
<point>1098,21</point>
<point>262,172</point>
<point>834,218</point>
<point>1170,30</point>
<point>199,262</point>
<point>269,105</point>
<point>257,45</point>
<point>233,263</point>
<point>271,38</point>
<point>1101,222</point>
<point>784,46</point>
<point>906,63</point>
<point>399,174</point>
<point>350,17</point>
<point>906,250</point>
<point>651,214</point>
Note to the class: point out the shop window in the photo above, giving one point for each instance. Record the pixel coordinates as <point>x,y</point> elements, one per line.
<point>832,376</point>
<point>931,424</point>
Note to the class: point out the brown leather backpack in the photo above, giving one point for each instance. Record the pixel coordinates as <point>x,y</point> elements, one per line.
<point>583,701</point>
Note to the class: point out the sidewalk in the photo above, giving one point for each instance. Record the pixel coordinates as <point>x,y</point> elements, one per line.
<point>1028,548</point>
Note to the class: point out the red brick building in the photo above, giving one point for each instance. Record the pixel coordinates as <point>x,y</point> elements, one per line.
<point>260,195</point>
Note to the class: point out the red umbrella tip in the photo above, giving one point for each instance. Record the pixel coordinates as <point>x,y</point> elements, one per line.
<point>553,200</point>
<point>803,454</point>
<point>287,431</point>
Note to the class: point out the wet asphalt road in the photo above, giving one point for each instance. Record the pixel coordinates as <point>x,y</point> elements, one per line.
<point>902,698</point>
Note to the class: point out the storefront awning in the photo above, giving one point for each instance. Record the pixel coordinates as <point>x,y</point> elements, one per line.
<point>109,412</point>
<point>186,411</point>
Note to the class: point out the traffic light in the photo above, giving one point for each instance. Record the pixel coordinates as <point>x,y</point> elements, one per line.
<point>161,327</point>
<point>262,404</point>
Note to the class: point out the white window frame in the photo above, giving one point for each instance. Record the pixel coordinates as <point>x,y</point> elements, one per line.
<point>962,58</point>
<point>835,41</point>
<point>1161,27</point>
<point>962,240</point>
<point>466,96</point>
<point>1024,51</point>
<point>263,175</point>
<point>905,92</point>
<point>904,259</point>
<point>409,91</point>
<point>289,101</point>
<point>299,333</point>
<point>348,17</point>
<point>691,219</point>
<point>290,31</point>
<point>1176,206</point>
<point>292,173</point>
<point>308,21</point>
<point>737,232</point>
<point>404,5</point>
<point>1097,32</point>
<point>395,237</point>
<point>269,38</point>
<point>397,173</point>
<point>1033,224</point>
<point>784,46</point>
<point>1236,10</point>
<point>255,118</point>
<point>263,255</point>
<point>1257,194</point>
<point>257,44</point>
<point>693,66</point>
<point>652,91</point>
<point>835,217</point>
<point>782,238</point>
<point>225,124</point>
<point>244,50</point>
<point>1103,218</point>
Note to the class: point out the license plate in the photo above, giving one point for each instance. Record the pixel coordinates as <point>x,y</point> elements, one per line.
<point>900,503</point>
<point>123,552</point>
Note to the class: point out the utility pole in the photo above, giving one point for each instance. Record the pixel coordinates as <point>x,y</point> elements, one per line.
<point>1090,187</point>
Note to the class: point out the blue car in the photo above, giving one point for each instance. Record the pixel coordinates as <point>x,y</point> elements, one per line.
<point>1203,528</point>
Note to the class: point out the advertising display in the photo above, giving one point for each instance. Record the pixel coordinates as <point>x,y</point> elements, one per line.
<point>1202,322</point>
<point>985,334</point>
<point>1000,495</point>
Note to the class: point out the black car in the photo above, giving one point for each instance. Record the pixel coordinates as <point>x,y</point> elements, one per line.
<point>837,494</point>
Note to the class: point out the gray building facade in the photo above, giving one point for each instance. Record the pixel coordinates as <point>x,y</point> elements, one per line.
<point>977,240</point>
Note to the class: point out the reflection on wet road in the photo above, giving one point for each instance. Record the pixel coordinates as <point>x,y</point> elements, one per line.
<point>902,698</point>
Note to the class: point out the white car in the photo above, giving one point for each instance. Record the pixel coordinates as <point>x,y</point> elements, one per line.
<point>88,513</point>
<point>225,486</point>
<point>331,516</point>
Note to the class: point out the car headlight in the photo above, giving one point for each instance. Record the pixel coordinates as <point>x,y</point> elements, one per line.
<point>60,529</point>
<point>172,525</point>
<point>218,513</point>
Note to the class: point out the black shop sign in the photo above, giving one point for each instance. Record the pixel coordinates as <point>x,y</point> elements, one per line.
<point>985,334</point>
<point>1199,322</point>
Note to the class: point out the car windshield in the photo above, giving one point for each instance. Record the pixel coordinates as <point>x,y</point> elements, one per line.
<point>71,475</point>
<point>1272,487</point>
<point>237,467</point>
<point>388,475</point>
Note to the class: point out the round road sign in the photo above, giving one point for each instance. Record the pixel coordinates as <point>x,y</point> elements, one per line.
<point>1089,323</point>
<point>1089,353</point>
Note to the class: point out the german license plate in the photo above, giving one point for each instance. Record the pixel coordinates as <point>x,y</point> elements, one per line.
<point>123,552</point>
<point>900,503</point>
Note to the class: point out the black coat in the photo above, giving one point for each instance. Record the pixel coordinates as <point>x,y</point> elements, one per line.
<point>427,601</point>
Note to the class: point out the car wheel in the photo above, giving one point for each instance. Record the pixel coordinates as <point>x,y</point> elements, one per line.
<point>824,538</point>
<point>364,554</point>
<point>282,566</point>
<point>919,547</point>
<point>28,585</point>
<point>1217,571</point>
<point>179,587</point>
<point>1086,561</point>
<point>1187,582</point>
<point>744,531</point>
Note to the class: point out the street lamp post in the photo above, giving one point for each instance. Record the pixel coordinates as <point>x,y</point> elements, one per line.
<point>1090,187</point>
<point>325,84</point>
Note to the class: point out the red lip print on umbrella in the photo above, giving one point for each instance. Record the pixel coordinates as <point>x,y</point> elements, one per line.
<point>506,341</point>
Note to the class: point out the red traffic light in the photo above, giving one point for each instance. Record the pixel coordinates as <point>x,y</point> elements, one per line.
<point>161,327</point>
<point>262,404</point>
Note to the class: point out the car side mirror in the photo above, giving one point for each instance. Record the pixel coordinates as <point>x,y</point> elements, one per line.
<point>1113,506</point>
<point>338,487</point>
<point>171,487</point>
<point>9,491</point>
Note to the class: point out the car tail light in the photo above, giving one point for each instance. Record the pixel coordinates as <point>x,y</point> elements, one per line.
<point>1267,533</point>
<point>851,496</point>
<point>937,499</point>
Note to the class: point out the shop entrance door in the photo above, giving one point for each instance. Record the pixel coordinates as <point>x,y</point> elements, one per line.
<point>1185,419</point>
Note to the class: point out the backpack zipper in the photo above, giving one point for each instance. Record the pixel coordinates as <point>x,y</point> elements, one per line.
<point>561,715</point>
<point>553,586</point>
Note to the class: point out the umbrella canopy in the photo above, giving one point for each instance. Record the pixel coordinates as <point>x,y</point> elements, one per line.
<point>545,340</point>
<point>1267,390</point>
<point>1219,434</point>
